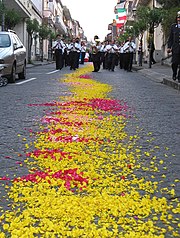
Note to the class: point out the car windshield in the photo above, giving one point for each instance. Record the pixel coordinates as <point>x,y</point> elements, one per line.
<point>4,41</point>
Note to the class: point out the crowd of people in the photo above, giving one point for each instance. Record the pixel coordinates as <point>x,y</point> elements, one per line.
<point>107,54</point>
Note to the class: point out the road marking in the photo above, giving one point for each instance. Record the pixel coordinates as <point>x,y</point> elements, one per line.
<point>52,72</point>
<point>26,81</point>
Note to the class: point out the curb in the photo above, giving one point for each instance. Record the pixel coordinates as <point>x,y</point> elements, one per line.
<point>171,83</point>
<point>38,64</point>
<point>158,77</point>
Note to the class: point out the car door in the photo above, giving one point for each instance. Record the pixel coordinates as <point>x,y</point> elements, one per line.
<point>18,52</point>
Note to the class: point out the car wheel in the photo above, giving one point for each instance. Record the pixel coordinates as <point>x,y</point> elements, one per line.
<point>5,81</point>
<point>1,82</point>
<point>22,75</point>
<point>13,74</point>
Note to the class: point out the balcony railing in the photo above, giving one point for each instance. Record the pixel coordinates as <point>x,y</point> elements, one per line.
<point>60,24</point>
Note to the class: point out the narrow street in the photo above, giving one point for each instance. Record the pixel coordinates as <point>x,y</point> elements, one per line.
<point>135,118</point>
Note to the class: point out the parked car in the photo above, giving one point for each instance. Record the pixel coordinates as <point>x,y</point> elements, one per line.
<point>12,56</point>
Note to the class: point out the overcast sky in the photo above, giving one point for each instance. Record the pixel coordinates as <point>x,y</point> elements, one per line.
<point>93,15</point>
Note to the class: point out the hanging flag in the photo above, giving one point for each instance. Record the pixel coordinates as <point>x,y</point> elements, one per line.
<point>124,18</point>
<point>121,17</point>
<point>119,25</point>
<point>121,10</point>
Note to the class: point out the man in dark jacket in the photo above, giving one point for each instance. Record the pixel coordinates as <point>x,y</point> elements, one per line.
<point>174,47</point>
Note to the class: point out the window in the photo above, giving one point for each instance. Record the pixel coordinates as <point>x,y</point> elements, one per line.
<point>4,41</point>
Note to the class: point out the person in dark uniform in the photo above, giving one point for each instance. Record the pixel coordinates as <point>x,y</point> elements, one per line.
<point>83,52</point>
<point>58,46</point>
<point>95,54</point>
<point>74,49</point>
<point>129,49</point>
<point>174,47</point>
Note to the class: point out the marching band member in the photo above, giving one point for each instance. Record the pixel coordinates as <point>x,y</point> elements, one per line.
<point>74,51</point>
<point>113,55</point>
<point>83,52</point>
<point>58,46</point>
<point>96,54</point>
<point>129,49</point>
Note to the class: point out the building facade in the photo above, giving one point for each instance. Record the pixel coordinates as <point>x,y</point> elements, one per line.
<point>52,13</point>
<point>126,20</point>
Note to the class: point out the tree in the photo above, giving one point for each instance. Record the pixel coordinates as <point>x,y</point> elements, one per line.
<point>2,14</point>
<point>44,33</point>
<point>12,18</point>
<point>167,4</point>
<point>32,26</point>
<point>151,17</point>
<point>171,8</point>
<point>168,20</point>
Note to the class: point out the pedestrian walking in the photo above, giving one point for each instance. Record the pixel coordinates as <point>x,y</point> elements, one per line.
<point>140,54</point>
<point>58,47</point>
<point>151,48</point>
<point>174,47</point>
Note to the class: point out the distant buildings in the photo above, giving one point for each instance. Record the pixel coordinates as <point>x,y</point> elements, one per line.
<point>51,12</point>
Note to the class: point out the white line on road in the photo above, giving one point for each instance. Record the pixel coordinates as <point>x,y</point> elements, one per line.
<point>52,72</point>
<point>26,81</point>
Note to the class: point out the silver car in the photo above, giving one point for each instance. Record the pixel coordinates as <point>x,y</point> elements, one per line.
<point>12,56</point>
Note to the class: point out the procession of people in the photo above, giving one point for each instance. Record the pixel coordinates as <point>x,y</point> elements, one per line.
<point>106,55</point>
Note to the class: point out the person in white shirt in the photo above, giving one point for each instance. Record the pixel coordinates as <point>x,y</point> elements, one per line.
<point>129,49</point>
<point>58,46</point>
<point>74,52</point>
<point>112,50</point>
<point>78,51</point>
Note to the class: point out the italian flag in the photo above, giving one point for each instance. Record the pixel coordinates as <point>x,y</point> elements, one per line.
<point>121,13</point>
<point>121,17</point>
<point>119,25</point>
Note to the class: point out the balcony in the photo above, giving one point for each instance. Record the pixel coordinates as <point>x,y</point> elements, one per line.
<point>48,16</point>
<point>21,6</point>
<point>144,2</point>
<point>67,13</point>
<point>59,24</point>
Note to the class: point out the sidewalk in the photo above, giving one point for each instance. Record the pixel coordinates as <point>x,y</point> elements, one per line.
<point>158,73</point>
<point>39,63</point>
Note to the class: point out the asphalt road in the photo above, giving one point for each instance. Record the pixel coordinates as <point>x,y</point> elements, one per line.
<point>156,108</point>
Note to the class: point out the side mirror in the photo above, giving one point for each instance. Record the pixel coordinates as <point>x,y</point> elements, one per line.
<point>15,46</point>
